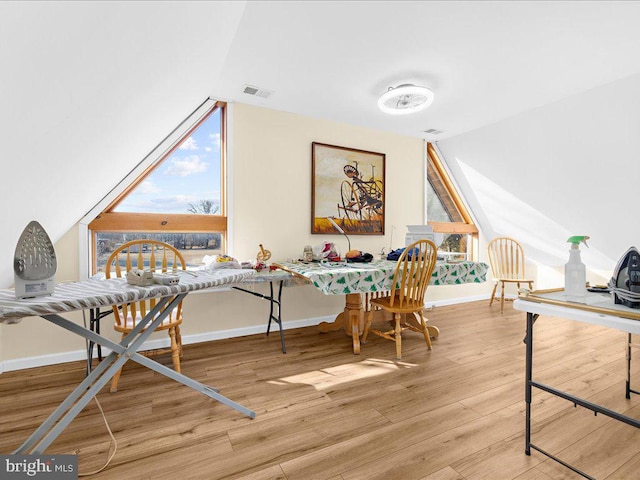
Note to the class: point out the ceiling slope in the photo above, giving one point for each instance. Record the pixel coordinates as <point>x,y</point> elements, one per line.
<point>88,89</point>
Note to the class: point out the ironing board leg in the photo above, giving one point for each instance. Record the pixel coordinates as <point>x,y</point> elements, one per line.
<point>189,382</point>
<point>126,350</point>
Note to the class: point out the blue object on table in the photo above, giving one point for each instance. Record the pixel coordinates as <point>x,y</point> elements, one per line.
<point>395,254</point>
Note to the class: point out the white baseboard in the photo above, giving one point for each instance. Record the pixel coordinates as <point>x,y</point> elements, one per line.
<point>74,356</point>
<point>455,301</point>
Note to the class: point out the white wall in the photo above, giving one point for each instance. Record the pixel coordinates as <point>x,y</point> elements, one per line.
<point>89,89</point>
<point>569,168</point>
<point>271,197</point>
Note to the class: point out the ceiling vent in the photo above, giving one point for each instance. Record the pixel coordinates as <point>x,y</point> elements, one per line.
<point>256,92</point>
<point>433,131</point>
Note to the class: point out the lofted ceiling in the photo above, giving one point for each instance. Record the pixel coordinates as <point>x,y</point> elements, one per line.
<point>485,61</point>
<point>89,88</point>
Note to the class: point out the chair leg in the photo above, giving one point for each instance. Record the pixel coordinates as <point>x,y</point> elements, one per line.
<point>367,325</point>
<point>175,350</point>
<point>116,377</point>
<point>179,339</point>
<point>398,336</point>
<point>425,332</point>
<point>502,299</point>
<point>493,294</point>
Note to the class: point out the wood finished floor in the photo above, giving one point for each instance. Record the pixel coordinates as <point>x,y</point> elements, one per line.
<point>456,412</point>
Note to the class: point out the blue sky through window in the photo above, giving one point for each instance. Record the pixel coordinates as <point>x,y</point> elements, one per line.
<point>188,176</point>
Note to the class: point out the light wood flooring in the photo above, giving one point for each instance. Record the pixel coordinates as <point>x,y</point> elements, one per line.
<point>456,412</point>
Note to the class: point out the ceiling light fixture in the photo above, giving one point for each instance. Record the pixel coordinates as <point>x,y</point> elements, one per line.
<point>405,99</point>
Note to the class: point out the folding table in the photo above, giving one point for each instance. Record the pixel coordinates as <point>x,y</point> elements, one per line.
<point>597,309</point>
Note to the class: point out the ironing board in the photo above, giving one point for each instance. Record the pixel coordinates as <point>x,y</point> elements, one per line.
<point>92,294</point>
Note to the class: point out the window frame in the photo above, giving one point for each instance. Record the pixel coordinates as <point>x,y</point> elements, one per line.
<point>106,220</point>
<point>435,170</point>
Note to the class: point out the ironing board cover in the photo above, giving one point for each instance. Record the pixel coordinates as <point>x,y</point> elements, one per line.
<point>377,276</point>
<point>99,293</point>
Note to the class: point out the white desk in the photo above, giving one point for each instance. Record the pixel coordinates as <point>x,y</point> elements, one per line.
<point>101,293</point>
<point>598,309</point>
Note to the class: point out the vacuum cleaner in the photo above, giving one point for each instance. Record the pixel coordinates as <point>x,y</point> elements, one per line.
<point>625,283</point>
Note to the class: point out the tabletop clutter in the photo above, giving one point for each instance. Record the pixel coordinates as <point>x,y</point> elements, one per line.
<point>323,252</point>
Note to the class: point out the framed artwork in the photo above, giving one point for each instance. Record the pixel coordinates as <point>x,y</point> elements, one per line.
<point>348,186</point>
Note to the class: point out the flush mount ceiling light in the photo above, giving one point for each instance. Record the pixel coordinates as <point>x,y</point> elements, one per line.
<point>405,99</point>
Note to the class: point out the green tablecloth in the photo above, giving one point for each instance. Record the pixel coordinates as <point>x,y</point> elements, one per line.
<point>377,276</point>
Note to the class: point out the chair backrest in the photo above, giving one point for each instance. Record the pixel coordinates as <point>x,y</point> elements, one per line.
<point>153,255</point>
<point>506,257</point>
<point>413,274</point>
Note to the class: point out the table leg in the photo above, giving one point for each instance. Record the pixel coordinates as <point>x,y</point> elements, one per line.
<point>527,383</point>
<point>337,324</point>
<point>273,302</point>
<point>351,320</point>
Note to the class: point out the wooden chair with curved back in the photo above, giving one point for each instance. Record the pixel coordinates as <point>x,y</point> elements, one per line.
<point>406,299</point>
<point>159,257</point>
<point>506,257</point>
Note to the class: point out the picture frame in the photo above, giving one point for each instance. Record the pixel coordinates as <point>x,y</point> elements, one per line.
<point>348,185</point>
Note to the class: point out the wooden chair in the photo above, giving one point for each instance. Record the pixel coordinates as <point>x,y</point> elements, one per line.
<point>506,257</point>
<point>406,299</point>
<point>146,255</point>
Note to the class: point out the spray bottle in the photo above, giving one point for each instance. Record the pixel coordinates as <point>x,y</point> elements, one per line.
<point>575,273</point>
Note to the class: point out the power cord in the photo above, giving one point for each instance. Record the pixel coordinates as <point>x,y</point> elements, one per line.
<point>623,293</point>
<point>113,442</point>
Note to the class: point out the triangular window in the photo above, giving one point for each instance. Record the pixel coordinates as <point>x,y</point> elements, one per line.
<point>446,212</point>
<point>179,199</point>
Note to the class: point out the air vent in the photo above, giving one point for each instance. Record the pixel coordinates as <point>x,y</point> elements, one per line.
<point>433,131</point>
<point>256,92</point>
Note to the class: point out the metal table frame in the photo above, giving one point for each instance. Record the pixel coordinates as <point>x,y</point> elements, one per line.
<point>275,304</point>
<point>275,309</point>
<point>612,319</point>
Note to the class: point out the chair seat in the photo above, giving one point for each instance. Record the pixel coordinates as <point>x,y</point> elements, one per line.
<point>408,307</point>
<point>513,280</point>
<point>127,324</point>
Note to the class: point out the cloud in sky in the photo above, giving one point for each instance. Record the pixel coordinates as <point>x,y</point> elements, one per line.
<point>189,144</point>
<point>215,139</point>
<point>165,204</point>
<point>186,166</point>
<point>147,186</point>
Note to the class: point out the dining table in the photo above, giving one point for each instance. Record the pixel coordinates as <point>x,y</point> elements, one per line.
<point>358,280</point>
